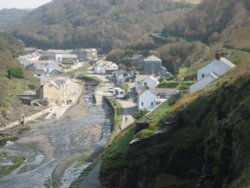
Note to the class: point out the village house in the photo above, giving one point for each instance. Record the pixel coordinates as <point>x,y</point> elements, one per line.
<point>65,58</point>
<point>120,76</point>
<point>86,54</point>
<point>29,58</point>
<point>152,65</point>
<point>146,100</point>
<point>54,90</point>
<point>41,68</point>
<point>211,72</point>
<point>145,82</point>
<point>105,67</point>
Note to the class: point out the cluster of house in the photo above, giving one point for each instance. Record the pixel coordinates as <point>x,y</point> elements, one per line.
<point>48,66</point>
<point>149,95</point>
<point>152,65</point>
<point>45,63</point>
<point>212,72</point>
<point>145,85</point>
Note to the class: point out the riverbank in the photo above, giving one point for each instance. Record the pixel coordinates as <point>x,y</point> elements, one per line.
<point>61,148</point>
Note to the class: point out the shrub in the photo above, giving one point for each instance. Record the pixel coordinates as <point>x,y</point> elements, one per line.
<point>16,73</point>
<point>139,114</point>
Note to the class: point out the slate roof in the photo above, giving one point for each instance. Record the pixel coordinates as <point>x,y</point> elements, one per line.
<point>152,58</point>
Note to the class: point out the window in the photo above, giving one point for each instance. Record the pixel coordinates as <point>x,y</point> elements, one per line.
<point>152,104</point>
<point>142,103</point>
<point>203,75</point>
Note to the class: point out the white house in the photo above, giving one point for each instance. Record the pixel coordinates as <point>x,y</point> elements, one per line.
<point>120,76</point>
<point>105,67</point>
<point>145,82</point>
<point>99,68</point>
<point>86,54</point>
<point>211,72</point>
<point>65,57</point>
<point>219,66</point>
<point>29,58</point>
<point>146,100</point>
<point>209,78</point>
<point>39,68</point>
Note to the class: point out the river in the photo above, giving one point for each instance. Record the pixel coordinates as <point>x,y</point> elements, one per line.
<point>57,152</point>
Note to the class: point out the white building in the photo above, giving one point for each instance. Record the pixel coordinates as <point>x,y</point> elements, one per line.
<point>146,100</point>
<point>65,57</point>
<point>105,67</point>
<point>29,58</point>
<point>40,68</point>
<point>218,66</point>
<point>211,72</point>
<point>145,82</point>
<point>87,54</point>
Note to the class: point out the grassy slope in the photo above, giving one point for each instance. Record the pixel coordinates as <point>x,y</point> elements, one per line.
<point>9,49</point>
<point>206,124</point>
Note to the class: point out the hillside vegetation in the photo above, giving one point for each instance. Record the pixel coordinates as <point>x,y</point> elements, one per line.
<point>103,24</point>
<point>10,48</point>
<point>225,22</point>
<point>9,17</point>
<point>205,142</point>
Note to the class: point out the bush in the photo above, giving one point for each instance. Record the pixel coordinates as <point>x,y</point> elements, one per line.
<point>140,114</point>
<point>16,73</point>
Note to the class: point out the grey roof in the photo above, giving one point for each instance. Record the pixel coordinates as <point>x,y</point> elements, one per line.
<point>168,91</point>
<point>152,58</point>
<point>55,72</point>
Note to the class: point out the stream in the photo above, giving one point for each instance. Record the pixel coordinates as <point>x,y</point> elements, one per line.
<point>57,152</point>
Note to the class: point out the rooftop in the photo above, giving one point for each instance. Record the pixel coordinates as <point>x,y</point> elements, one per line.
<point>152,58</point>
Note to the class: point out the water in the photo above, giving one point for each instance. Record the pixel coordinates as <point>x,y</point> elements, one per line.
<point>55,152</point>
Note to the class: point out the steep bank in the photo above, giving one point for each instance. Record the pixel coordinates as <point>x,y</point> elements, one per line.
<point>13,80</point>
<point>203,141</point>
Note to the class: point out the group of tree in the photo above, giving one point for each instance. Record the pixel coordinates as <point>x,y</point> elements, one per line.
<point>105,24</point>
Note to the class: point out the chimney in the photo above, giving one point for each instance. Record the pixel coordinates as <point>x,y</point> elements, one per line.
<point>217,55</point>
<point>146,86</point>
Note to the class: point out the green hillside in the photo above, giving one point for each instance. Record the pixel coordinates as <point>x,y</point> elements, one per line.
<point>9,17</point>
<point>10,48</point>
<point>205,142</point>
<point>102,24</point>
<point>214,21</point>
